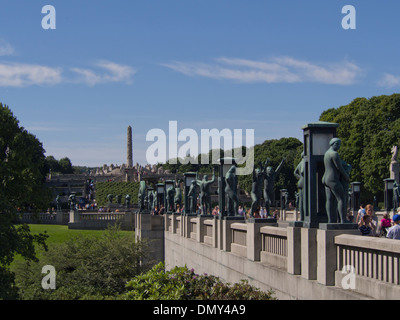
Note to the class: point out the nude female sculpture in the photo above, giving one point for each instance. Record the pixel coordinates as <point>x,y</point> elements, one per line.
<point>333,178</point>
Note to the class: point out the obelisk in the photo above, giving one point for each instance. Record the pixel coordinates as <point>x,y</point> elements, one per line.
<point>129,156</point>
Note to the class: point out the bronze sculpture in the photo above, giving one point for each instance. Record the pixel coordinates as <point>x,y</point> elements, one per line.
<point>231,191</point>
<point>300,197</point>
<point>333,179</point>
<point>256,187</point>
<point>269,185</point>
<point>205,195</point>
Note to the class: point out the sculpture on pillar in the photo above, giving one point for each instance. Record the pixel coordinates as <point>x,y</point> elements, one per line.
<point>256,186</point>
<point>170,198</point>
<point>231,191</point>
<point>192,194</point>
<point>269,185</point>
<point>155,199</point>
<point>72,201</point>
<point>394,165</point>
<point>58,202</point>
<point>178,195</point>
<point>119,197</point>
<point>150,202</point>
<point>333,179</point>
<point>110,198</point>
<point>142,195</point>
<point>127,201</point>
<point>396,196</point>
<point>300,198</point>
<point>205,195</point>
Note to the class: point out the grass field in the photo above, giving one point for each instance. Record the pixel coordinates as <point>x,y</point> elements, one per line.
<point>59,234</point>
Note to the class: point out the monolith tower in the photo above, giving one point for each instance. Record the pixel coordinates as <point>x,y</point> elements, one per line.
<point>129,153</point>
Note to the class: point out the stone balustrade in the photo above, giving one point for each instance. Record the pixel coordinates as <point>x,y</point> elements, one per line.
<point>297,263</point>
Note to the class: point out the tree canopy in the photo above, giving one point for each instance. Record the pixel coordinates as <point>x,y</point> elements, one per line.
<point>275,150</point>
<point>368,129</point>
<point>22,173</point>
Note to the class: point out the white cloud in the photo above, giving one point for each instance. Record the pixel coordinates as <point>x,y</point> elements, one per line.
<point>278,70</point>
<point>6,49</point>
<point>113,73</point>
<point>22,75</point>
<point>389,80</point>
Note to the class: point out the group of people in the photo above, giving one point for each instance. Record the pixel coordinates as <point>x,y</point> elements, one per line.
<point>242,211</point>
<point>369,225</point>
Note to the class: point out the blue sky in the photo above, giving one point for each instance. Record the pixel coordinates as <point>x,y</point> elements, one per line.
<point>271,66</point>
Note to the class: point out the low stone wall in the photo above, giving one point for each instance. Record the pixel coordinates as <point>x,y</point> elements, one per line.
<point>45,218</point>
<point>85,220</point>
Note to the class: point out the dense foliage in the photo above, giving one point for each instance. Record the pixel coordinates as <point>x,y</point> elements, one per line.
<point>64,165</point>
<point>368,129</point>
<point>90,267</point>
<point>180,283</point>
<point>276,150</point>
<point>22,174</point>
<point>103,189</point>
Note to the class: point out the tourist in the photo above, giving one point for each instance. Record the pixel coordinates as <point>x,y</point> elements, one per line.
<point>155,212</point>
<point>263,212</point>
<point>360,214</point>
<point>394,232</point>
<point>248,213</point>
<point>161,210</point>
<point>369,210</point>
<point>256,213</point>
<point>215,211</point>
<point>385,223</point>
<point>366,226</point>
<point>240,211</point>
<point>178,209</point>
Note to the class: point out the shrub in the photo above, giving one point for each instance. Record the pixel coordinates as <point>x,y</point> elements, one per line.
<point>180,283</point>
<point>87,267</point>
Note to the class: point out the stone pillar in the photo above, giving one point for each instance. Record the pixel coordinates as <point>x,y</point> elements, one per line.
<point>253,236</point>
<point>294,250</point>
<point>253,239</point>
<point>327,251</point>
<point>151,228</point>
<point>173,222</point>
<point>227,232</point>
<point>73,216</point>
<point>200,227</point>
<point>59,217</point>
<point>309,253</point>
<point>129,155</point>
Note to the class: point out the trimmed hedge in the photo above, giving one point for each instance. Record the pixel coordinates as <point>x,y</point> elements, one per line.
<point>103,189</point>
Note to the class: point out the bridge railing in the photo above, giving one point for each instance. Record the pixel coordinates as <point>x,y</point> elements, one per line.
<point>313,254</point>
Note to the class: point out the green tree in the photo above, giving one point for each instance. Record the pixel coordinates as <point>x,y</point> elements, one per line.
<point>65,166</point>
<point>275,150</point>
<point>52,164</point>
<point>90,267</point>
<point>22,173</point>
<point>368,129</point>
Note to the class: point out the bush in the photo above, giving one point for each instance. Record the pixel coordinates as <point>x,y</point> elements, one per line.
<point>87,267</point>
<point>180,283</point>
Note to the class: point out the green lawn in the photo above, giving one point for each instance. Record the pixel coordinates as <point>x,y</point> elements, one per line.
<point>59,234</point>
